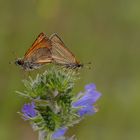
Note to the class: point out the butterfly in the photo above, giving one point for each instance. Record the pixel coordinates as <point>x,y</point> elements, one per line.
<point>38,55</point>
<point>61,55</point>
<point>46,50</point>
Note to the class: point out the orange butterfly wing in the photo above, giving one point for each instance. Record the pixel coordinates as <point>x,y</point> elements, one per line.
<point>40,50</point>
<point>38,43</point>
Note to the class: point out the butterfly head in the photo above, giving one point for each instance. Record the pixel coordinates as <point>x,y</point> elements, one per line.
<point>19,62</point>
<point>80,65</point>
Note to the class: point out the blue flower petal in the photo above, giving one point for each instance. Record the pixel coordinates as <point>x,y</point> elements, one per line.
<point>86,102</point>
<point>29,111</point>
<point>88,99</point>
<point>90,87</point>
<point>59,133</point>
<point>95,95</point>
<point>89,110</point>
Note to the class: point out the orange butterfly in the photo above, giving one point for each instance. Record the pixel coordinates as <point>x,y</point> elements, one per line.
<point>62,55</point>
<point>38,55</point>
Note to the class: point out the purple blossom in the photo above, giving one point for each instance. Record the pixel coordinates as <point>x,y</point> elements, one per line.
<point>87,101</point>
<point>59,132</point>
<point>29,111</point>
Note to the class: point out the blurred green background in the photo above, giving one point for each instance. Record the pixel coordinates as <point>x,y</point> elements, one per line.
<point>104,32</point>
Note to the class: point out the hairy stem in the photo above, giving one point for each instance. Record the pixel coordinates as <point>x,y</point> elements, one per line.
<point>41,135</point>
<point>49,136</point>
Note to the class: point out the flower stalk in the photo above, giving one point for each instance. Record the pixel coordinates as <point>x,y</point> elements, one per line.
<point>41,135</point>
<point>49,136</point>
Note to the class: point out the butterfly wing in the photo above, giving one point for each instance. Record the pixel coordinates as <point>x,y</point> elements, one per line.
<point>40,50</point>
<point>60,53</point>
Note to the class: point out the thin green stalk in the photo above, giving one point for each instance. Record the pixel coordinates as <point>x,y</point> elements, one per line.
<point>49,136</point>
<point>41,135</point>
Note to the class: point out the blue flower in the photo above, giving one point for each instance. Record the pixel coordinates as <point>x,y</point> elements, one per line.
<point>59,133</point>
<point>87,101</point>
<point>29,111</point>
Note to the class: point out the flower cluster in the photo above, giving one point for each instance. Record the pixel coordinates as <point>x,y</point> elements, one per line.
<point>53,107</point>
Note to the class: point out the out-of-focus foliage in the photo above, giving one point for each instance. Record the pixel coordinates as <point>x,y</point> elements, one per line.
<point>105,33</point>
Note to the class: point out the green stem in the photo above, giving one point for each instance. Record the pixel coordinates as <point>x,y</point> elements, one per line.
<point>49,136</point>
<point>43,136</point>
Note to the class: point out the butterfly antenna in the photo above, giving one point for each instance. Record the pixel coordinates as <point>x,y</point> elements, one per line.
<point>88,65</point>
<point>13,54</point>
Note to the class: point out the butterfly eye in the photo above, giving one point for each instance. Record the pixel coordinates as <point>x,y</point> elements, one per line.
<point>18,62</point>
<point>79,65</point>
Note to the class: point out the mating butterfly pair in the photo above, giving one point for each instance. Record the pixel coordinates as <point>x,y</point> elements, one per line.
<point>46,50</point>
